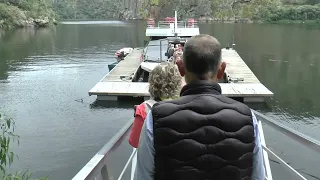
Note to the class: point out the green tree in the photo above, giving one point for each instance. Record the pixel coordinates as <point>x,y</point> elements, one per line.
<point>22,13</point>
<point>84,9</point>
<point>8,136</point>
<point>312,2</point>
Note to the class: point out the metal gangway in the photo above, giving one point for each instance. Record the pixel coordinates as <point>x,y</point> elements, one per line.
<point>103,167</point>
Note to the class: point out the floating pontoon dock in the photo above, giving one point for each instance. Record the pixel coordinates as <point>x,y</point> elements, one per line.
<point>244,84</point>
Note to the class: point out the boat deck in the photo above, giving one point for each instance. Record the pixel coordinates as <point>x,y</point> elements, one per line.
<point>112,86</point>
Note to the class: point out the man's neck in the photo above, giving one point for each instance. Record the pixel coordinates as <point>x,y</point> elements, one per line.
<point>188,81</point>
<point>189,78</point>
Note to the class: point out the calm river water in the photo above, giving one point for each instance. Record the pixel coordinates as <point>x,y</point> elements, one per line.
<point>44,73</point>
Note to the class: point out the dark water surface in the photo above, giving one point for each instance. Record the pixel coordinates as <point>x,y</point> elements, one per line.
<point>44,73</point>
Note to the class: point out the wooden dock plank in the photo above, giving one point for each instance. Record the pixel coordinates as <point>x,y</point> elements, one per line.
<point>141,89</point>
<point>237,68</point>
<point>127,67</point>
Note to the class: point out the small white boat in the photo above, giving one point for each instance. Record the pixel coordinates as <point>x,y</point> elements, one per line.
<point>122,53</point>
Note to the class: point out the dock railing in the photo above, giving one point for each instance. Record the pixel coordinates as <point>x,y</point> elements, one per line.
<point>100,166</point>
<point>105,167</point>
<point>180,24</point>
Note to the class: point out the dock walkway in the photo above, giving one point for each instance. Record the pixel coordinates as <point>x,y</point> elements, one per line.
<point>111,86</point>
<point>124,68</point>
<point>237,68</point>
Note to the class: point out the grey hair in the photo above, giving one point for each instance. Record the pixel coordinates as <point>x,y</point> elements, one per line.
<point>164,81</point>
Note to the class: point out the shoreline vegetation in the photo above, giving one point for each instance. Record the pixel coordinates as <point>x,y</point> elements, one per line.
<point>8,136</point>
<point>26,13</point>
<point>44,13</point>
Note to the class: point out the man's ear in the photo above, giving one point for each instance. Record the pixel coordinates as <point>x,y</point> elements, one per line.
<point>221,70</point>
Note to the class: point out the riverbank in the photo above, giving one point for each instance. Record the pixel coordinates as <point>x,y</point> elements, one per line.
<point>288,21</point>
<point>282,14</point>
<point>249,21</point>
<point>13,16</point>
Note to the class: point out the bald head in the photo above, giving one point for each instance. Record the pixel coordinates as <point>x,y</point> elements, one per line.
<point>202,55</point>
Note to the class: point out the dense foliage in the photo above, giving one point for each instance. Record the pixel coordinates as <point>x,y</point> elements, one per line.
<point>290,13</point>
<point>258,10</point>
<point>7,136</point>
<point>84,9</point>
<point>21,13</point>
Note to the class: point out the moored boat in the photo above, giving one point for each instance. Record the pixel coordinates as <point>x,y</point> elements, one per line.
<point>122,53</point>
<point>111,66</point>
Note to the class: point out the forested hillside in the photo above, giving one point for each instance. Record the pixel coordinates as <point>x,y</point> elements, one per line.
<point>21,13</point>
<point>88,9</point>
<point>258,10</point>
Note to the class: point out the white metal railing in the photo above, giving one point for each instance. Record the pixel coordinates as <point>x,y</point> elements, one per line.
<point>282,162</point>
<point>166,25</point>
<point>172,27</point>
<point>291,133</point>
<point>96,168</point>
<point>132,159</point>
<point>266,162</point>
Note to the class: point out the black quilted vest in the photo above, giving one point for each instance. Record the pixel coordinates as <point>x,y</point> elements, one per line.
<point>202,135</point>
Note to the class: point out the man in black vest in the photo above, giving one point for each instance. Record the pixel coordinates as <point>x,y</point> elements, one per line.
<point>202,135</point>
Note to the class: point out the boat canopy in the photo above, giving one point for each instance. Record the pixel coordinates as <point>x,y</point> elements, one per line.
<point>152,50</point>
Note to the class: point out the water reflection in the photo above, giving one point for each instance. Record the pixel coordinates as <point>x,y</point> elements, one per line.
<point>63,43</point>
<point>43,72</point>
<point>122,104</point>
<point>286,59</point>
<point>114,23</point>
<point>16,46</point>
